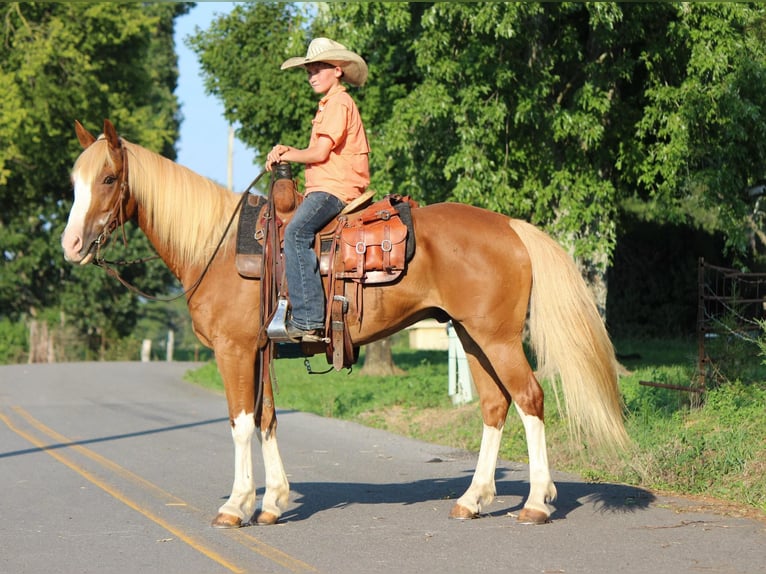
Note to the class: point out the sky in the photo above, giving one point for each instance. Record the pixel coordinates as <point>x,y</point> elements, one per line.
<point>204,143</point>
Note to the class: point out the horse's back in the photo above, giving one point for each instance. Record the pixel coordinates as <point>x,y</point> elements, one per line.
<point>467,238</point>
<point>468,262</point>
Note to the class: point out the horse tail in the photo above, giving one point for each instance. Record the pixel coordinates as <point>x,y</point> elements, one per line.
<point>570,342</point>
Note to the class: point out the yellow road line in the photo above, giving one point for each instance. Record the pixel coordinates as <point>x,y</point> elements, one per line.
<point>240,536</point>
<point>122,498</point>
<point>250,542</point>
<point>94,456</point>
<point>273,554</point>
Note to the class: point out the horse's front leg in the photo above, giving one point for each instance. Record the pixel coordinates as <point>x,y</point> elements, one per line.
<point>237,368</point>
<point>277,493</point>
<point>241,503</point>
<point>239,382</point>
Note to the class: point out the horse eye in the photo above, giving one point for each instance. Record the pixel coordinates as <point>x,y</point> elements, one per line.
<point>109,179</point>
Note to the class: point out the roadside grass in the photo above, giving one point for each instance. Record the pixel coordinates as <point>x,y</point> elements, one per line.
<point>713,446</point>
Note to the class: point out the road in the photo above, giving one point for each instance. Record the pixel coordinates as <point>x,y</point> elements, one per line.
<point>119,467</point>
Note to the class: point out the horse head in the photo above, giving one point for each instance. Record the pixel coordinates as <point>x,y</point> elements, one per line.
<point>102,200</point>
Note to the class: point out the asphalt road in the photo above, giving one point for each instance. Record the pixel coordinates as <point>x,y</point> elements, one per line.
<point>119,468</point>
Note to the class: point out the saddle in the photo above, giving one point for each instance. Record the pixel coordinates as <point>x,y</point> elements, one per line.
<point>368,243</point>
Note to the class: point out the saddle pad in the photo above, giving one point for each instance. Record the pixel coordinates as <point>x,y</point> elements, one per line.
<point>249,249</point>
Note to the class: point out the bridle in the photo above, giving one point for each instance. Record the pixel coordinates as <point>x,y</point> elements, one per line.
<point>116,218</point>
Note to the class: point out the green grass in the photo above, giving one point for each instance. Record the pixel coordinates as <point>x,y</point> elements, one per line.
<point>344,394</point>
<point>714,447</point>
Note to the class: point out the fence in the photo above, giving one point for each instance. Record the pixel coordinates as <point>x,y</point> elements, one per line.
<point>731,304</point>
<point>430,334</point>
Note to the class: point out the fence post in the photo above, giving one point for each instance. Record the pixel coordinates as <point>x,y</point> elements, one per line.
<point>146,350</point>
<point>460,379</point>
<point>171,342</point>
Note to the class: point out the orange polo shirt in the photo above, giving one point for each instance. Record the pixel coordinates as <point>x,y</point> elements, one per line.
<point>346,172</point>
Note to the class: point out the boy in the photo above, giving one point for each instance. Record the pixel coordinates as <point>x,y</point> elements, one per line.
<point>337,172</point>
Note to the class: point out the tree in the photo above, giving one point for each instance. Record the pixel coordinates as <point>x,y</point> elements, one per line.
<point>60,62</point>
<point>701,140</point>
<point>379,360</point>
<point>542,122</point>
<point>565,114</point>
<point>240,55</point>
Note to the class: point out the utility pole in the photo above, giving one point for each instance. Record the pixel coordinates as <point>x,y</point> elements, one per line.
<point>230,162</point>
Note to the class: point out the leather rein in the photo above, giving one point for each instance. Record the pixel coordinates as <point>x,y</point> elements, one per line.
<point>117,219</point>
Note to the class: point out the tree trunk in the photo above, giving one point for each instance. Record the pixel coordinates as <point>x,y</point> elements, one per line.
<point>41,348</point>
<point>594,273</point>
<point>378,360</point>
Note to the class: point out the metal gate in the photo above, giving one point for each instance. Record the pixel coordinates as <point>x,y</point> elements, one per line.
<point>731,304</point>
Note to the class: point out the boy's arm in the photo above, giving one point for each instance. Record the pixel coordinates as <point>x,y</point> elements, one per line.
<point>317,152</point>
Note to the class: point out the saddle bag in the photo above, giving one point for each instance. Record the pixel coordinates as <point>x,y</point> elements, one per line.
<point>374,251</point>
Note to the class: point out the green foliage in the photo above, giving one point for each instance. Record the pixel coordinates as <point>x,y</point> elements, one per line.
<point>701,137</point>
<point>13,341</point>
<point>717,450</point>
<point>240,55</point>
<point>566,114</point>
<point>60,62</point>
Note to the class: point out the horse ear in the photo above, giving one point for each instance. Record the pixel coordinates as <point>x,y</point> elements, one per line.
<point>111,135</point>
<point>86,138</point>
<point>115,144</point>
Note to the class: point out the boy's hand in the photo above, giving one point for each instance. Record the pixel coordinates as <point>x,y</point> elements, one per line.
<point>275,156</point>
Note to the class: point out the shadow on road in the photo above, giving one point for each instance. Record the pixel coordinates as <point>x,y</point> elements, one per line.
<point>112,437</point>
<point>310,498</point>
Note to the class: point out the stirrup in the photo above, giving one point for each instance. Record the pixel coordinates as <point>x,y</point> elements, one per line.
<point>277,329</point>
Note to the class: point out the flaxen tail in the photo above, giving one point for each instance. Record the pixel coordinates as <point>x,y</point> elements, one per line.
<point>570,342</point>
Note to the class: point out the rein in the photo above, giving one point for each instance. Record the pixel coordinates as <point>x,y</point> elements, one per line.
<point>118,220</point>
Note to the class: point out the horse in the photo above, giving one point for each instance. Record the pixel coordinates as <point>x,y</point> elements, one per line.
<point>490,274</point>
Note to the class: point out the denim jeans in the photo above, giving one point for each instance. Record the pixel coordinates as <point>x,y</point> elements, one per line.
<point>301,266</point>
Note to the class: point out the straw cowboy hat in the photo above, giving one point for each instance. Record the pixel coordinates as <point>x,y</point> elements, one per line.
<point>331,52</point>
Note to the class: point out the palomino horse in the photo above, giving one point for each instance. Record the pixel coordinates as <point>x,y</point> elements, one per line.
<point>480,269</point>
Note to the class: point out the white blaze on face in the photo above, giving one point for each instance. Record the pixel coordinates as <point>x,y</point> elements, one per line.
<point>72,239</point>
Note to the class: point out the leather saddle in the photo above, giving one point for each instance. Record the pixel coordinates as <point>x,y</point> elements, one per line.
<point>374,239</point>
<point>370,242</point>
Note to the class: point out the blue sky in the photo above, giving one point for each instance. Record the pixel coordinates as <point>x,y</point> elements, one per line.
<point>204,141</point>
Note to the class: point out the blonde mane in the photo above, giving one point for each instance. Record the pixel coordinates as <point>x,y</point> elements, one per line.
<point>187,212</point>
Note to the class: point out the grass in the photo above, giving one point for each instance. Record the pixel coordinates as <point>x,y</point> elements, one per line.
<point>716,449</point>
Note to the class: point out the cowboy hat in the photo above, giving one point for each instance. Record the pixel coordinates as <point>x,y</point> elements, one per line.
<point>331,52</point>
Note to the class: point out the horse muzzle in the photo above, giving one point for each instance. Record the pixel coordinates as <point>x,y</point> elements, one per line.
<point>78,251</point>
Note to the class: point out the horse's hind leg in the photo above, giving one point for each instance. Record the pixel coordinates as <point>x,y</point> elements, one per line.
<point>494,402</point>
<point>481,492</point>
<point>529,405</point>
<point>507,375</point>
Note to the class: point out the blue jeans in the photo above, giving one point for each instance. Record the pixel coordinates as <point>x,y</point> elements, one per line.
<point>301,265</point>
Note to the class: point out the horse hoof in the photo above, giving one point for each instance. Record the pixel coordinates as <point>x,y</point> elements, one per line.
<point>266,519</point>
<point>531,516</point>
<point>226,521</point>
<point>459,512</point>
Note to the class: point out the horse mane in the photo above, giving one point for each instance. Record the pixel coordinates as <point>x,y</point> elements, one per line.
<point>187,212</point>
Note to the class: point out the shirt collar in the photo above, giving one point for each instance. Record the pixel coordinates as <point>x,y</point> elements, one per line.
<point>334,90</point>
